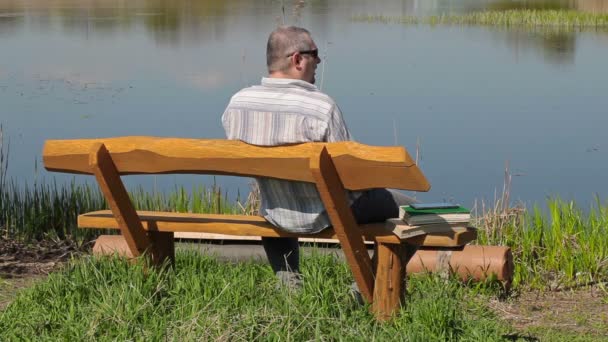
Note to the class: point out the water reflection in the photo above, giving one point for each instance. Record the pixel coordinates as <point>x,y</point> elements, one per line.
<point>73,68</point>
<point>10,22</point>
<point>556,46</point>
<point>175,23</point>
<point>190,22</point>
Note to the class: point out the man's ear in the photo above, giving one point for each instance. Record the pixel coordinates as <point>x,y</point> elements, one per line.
<point>297,61</point>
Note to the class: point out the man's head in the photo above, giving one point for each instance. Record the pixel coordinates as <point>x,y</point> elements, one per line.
<point>291,53</point>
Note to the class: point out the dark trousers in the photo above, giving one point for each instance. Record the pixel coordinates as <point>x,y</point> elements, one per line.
<point>376,205</point>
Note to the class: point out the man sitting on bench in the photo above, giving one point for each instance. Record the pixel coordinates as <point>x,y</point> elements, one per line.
<point>287,108</point>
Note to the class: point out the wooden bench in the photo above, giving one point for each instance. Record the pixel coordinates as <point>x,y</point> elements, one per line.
<point>333,167</point>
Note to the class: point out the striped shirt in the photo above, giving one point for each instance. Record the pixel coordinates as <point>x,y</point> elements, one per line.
<point>286,111</point>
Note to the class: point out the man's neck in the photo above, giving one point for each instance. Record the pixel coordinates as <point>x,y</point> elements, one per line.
<point>279,74</point>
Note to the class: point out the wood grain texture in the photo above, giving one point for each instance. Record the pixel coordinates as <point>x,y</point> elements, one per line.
<point>112,245</point>
<point>334,199</point>
<point>454,238</point>
<point>163,244</point>
<point>358,165</point>
<point>212,236</point>
<point>118,199</point>
<point>389,287</point>
<point>255,226</point>
<point>237,225</point>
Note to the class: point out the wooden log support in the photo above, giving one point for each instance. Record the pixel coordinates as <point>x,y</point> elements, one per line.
<point>112,245</point>
<point>118,199</point>
<point>117,245</point>
<point>389,287</point>
<point>163,244</point>
<point>334,198</point>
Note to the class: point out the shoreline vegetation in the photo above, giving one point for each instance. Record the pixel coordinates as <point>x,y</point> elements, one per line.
<point>530,18</point>
<point>555,251</point>
<point>204,299</point>
<point>560,248</point>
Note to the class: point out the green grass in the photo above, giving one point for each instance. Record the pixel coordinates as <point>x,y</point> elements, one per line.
<point>565,248</point>
<point>567,19</point>
<point>47,210</point>
<point>204,299</point>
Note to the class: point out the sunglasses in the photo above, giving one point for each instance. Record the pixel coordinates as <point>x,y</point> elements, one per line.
<point>313,53</point>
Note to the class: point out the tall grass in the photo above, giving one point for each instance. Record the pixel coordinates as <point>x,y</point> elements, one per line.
<point>564,248</point>
<point>205,299</point>
<point>50,210</point>
<point>3,159</point>
<point>521,17</point>
<point>561,247</point>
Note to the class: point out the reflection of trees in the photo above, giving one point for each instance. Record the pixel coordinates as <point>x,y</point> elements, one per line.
<point>11,18</point>
<point>556,45</point>
<point>169,21</point>
<point>193,19</point>
<point>166,19</point>
<point>9,24</point>
<point>177,21</point>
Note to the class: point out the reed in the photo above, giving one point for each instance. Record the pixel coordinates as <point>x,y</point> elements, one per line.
<point>566,19</point>
<point>50,210</point>
<point>3,159</point>
<point>560,248</point>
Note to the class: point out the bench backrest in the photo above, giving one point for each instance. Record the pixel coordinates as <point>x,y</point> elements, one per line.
<point>359,166</point>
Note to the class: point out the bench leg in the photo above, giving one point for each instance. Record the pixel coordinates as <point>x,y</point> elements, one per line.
<point>389,287</point>
<point>164,247</point>
<point>155,243</point>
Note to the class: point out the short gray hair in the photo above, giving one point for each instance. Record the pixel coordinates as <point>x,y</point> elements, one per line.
<point>282,42</point>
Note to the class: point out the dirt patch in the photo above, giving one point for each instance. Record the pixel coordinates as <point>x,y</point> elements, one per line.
<point>580,311</point>
<point>22,264</point>
<point>18,259</point>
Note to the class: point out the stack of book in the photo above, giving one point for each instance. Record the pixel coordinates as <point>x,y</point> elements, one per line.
<point>423,218</point>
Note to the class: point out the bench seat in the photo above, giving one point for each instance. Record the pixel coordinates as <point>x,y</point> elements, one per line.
<point>246,225</point>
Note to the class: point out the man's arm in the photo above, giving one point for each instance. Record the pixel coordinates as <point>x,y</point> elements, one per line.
<point>336,128</point>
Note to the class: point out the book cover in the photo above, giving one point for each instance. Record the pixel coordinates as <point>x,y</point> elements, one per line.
<point>434,216</point>
<point>413,212</point>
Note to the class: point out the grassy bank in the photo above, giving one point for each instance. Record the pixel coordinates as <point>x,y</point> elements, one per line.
<point>565,248</point>
<point>558,248</point>
<point>204,299</point>
<point>561,247</point>
<point>565,19</point>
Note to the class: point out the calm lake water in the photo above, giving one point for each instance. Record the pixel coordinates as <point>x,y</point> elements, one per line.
<point>472,98</point>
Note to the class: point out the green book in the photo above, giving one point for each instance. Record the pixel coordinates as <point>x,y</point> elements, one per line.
<point>412,212</point>
<point>413,216</point>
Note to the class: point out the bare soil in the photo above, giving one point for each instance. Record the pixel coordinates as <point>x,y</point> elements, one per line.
<point>23,264</point>
<point>579,312</point>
